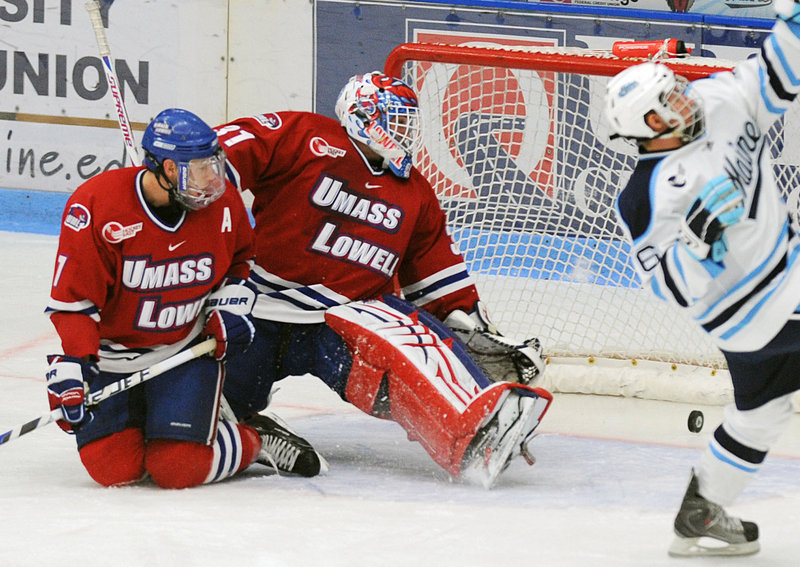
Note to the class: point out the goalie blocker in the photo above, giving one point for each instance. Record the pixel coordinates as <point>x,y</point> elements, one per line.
<point>409,367</point>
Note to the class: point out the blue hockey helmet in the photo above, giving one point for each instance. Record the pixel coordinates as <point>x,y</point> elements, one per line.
<point>184,138</point>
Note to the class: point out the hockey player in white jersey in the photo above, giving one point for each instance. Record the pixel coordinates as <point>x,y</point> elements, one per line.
<point>712,234</point>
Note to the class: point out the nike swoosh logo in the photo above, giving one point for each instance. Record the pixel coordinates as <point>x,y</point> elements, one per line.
<point>176,246</point>
<point>372,186</point>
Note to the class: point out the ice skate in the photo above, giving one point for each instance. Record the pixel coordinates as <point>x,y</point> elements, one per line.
<point>703,528</point>
<point>493,447</point>
<point>284,450</point>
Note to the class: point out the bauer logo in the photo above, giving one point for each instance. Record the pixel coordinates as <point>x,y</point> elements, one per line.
<point>78,217</point>
<point>162,128</point>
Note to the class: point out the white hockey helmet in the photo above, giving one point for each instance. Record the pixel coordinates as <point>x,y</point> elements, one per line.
<point>383,113</point>
<point>652,87</point>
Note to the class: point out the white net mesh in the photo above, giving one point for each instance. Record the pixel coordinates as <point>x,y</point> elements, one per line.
<point>524,167</point>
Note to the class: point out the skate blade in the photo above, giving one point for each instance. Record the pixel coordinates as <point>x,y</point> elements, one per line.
<point>324,467</point>
<point>710,547</point>
<point>486,471</point>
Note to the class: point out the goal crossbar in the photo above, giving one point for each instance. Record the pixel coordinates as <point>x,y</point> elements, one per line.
<point>556,59</point>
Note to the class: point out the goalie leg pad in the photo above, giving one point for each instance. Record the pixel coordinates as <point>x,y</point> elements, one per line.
<point>438,397</point>
<point>362,388</point>
<point>446,333</point>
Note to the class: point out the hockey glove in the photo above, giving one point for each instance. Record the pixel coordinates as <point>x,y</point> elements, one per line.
<point>500,358</point>
<point>228,318</point>
<point>65,383</point>
<point>719,205</point>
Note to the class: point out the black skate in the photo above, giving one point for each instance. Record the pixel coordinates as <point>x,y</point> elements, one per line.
<point>284,450</point>
<point>703,528</point>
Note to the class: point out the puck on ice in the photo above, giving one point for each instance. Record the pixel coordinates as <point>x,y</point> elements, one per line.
<point>696,420</point>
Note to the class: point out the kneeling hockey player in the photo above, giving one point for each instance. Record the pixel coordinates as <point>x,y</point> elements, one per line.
<point>150,261</point>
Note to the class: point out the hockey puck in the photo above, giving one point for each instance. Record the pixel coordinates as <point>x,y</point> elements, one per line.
<point>696,420</point>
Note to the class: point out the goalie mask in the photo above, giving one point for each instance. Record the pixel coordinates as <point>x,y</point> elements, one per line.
<point>652,87</point>
<point>184,138</point>
<point>382,113</point>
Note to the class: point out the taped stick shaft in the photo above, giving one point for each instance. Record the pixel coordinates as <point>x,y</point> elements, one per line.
<point>121,385</point>
<point>32,425</point>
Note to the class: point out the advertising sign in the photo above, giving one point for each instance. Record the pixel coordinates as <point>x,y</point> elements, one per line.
<point>58,123</point>
<point>732,8</point>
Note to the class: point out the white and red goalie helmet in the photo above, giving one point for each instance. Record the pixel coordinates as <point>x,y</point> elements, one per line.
<point>383,113</point>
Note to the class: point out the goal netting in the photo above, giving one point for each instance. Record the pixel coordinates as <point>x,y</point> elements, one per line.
<point>517,148</point>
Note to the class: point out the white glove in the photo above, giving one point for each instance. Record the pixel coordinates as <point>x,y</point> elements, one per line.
<point>719,205</point>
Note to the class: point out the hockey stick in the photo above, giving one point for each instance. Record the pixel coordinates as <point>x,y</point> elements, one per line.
<point>94,398</point>
<point>93,7</point>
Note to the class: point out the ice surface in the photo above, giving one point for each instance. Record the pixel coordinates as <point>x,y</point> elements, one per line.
<point>609,475</point>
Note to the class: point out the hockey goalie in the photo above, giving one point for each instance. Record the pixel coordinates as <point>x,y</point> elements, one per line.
<point>410,368</point>
<point>346,225</point>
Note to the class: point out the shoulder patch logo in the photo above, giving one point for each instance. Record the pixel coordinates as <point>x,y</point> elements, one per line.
<point>271,120</point>
<point>321,148</point>
<point>78,217</point>
<point>114,232</point>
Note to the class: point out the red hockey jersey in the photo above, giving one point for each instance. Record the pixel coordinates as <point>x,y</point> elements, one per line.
<point>131,288</point>
<point>331,229</point>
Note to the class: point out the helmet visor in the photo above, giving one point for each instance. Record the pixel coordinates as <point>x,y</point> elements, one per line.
<point>201,181</point>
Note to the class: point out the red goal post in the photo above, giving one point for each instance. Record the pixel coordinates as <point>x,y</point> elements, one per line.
<point>555,59</point>
<point>517,148</point>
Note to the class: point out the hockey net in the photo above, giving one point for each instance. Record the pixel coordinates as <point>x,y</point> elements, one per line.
<point>517,148</point>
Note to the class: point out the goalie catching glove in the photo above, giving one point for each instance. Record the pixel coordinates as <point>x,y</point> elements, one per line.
<point>500,358</point>
<point>228,318</point>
